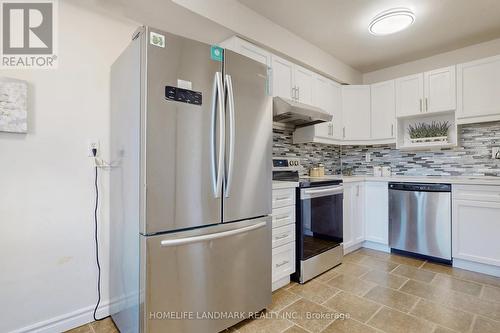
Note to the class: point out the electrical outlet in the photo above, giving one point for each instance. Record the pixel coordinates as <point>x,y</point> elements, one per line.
<point>92,144</point>
<point>368,157</point>
<point>495,153</point>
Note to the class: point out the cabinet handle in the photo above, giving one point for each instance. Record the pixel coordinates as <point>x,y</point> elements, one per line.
<point>282,263</point>
<point>392,130</point>
<point>286,217</point>
<point>426,105</point>
<point>281,237</point>
<point>357,190</point>
<point>343,132</point>
<point>298,93</point>
<point>420,105</point>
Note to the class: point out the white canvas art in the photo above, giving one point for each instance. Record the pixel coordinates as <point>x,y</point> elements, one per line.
<point>13,105</point>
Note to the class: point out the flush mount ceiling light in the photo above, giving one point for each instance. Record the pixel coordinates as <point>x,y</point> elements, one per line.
<point>391,21</point>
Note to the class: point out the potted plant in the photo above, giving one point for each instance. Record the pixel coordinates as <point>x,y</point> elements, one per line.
<point>425,133</point>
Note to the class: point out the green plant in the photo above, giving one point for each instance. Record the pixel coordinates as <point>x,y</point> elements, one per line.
<point>424,130</point>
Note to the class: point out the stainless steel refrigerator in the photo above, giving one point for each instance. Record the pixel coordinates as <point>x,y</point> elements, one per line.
<point>191,136</point>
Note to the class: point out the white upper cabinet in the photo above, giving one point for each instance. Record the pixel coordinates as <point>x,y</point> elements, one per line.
<point>409,95</point>
<point>304,80</point>
<point>433,91</point>
<point>440,91</point>
<point>383,109</point>
<point>283,78</point>
<point>327,96</point>
<point>356,112</point>
<point>248,49</point>
<point>479,91</point>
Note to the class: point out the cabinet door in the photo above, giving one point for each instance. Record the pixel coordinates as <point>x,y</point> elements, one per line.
<point>479,90</point>
<point>383,109</point>
<point>327,96</point>
<point>377,204</point>
<point>304,79</point>
<point>349,203</point>
<point>358,225</point>
<point>409,95</point>
<point>282,74</point>
<point>247,49</point>
<point>336,100</point>
<point>476,226</point>
<point>356,112</point>
<point>254,52</point>
<point>440,90</point>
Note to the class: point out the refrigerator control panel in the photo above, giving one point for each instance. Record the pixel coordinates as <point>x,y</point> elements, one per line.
<point>183,95</point>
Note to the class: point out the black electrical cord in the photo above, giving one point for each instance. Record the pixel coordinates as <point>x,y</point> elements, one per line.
<point>96,184</point>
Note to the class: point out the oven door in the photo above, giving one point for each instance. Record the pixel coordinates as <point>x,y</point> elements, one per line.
<point>321,216</point>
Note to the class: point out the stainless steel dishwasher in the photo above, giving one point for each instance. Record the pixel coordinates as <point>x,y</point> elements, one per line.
<point>420,219</point>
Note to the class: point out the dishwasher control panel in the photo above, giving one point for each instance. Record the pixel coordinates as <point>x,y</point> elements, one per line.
<point>420,187</point>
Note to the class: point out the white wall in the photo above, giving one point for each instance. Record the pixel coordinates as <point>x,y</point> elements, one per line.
<point>46,179</point>
<point>253,26</point>
<point>458,56</point>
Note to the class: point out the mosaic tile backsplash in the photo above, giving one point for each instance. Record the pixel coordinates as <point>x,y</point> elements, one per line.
<point>471,158</point>
<point>311,154</point>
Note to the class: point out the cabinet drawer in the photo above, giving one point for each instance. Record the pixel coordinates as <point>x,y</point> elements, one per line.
<point>283,216</point>
<point>283,197</point>
<point>283,235</point>
<point>477,193</point>
<point>283,261</point>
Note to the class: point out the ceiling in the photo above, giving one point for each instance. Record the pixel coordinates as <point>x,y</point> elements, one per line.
<point>340,27</point>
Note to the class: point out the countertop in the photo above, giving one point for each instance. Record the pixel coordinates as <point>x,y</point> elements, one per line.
<point>463,180</point>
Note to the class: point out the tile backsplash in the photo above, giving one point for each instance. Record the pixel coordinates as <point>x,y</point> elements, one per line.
<point>311,154</point>
<point>471,158</point>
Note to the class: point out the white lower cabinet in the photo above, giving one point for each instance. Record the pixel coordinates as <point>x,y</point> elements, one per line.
<point>377,212</point>
<point>354,216</point>
<point>476,224</point>
<point>283,262</point>
<point>283,236</point>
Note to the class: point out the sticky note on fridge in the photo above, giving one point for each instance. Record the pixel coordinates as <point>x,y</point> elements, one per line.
<point>184,84</point>
<point>216,53</point>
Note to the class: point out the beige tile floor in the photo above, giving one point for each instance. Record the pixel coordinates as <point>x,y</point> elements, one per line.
<point>377,292</point>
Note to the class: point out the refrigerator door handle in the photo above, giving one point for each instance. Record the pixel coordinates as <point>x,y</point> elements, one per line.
<point>230,165</point>
<point>197,239</point>
<point>217,114</point>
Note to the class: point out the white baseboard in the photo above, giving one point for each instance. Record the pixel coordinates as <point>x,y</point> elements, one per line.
<point>376,246</point>
<point>67,321</point>
<point>352,248</point>
<point>477,267</point>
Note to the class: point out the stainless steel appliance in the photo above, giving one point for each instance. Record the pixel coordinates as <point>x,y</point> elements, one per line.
<point>319,220</point>
<point>420,219</point>
<point>298,114</point>
<point>191,136</point>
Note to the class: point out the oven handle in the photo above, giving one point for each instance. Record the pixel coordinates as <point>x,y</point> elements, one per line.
<point>321,192</point>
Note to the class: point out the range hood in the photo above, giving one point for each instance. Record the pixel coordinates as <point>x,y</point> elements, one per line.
<point>298,114</point>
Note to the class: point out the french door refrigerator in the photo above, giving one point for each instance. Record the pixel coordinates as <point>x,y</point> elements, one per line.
<point>191,136</point>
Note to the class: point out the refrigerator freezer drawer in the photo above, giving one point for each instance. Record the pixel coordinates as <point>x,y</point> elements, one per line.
<point>220,269</point>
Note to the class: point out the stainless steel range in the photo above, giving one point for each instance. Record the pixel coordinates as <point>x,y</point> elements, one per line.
<point>319,219</point>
